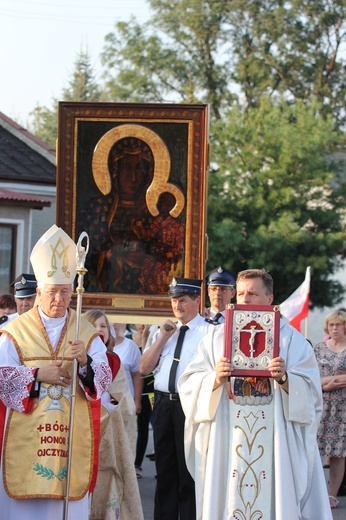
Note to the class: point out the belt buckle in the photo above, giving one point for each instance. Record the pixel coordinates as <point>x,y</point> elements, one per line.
<point>171,397</point>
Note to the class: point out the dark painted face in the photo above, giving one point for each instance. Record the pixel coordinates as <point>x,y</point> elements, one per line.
<point>132,177</point>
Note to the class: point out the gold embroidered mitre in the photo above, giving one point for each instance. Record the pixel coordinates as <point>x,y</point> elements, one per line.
<point>53,258</point>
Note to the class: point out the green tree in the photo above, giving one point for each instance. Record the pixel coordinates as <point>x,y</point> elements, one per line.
<point>271,200</point>
<point>292,48</point>
<point>44,123</point>
<point>173,57</point>
<point>213,51</point>
<point>82,87</point>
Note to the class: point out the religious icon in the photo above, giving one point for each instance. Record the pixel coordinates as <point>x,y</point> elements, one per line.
<point>133,251</point>
<point>133,177</point>
<point>251,338</point>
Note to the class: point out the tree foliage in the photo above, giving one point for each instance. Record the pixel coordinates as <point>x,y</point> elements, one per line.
<point>173,57</point>
<point>82,87</point>
<point>291,47</point>
<point>215,50</point>
<point>271,201</point>
<point>44,123</point>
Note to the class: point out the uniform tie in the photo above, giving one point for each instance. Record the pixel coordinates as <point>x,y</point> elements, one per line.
<point>215,320</point>
<point>217,317</point>
<point>176,359</point>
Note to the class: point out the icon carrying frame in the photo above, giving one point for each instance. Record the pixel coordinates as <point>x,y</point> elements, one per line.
<point>161,239</point>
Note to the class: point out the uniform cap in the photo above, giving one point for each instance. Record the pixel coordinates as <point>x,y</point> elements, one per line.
<point>53,258</point>
<point>181,286</point>
<point>24,286</point>
<point>221,276</point>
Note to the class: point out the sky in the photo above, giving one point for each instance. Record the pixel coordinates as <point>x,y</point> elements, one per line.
<point>40,41</point>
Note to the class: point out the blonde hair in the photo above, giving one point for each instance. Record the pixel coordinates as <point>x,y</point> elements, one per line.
<point>92,316</point>
<point>338,315</point>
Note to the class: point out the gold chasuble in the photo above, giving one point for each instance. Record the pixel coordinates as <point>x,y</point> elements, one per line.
<point>41,435</point>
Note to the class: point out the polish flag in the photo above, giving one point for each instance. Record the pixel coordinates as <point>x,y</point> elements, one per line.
<point>296,307</point>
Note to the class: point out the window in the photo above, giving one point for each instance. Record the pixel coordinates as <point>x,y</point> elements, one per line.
<point>7,255</point>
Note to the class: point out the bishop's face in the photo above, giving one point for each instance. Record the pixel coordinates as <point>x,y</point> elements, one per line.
<point>55,299</point>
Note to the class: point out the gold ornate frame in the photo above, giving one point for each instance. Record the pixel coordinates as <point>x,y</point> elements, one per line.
<point>177,137</point>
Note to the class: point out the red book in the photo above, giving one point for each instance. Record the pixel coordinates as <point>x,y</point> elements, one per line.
<point>251,338</point>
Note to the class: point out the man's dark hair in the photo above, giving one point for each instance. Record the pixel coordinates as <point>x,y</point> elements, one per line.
<point>258,273</point>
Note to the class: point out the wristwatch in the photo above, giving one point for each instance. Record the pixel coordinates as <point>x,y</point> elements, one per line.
<point>283,380</point>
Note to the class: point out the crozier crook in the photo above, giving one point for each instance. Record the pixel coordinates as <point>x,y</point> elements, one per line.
<point>81,253</point>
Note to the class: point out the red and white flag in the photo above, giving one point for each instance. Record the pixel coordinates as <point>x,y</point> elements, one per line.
<point>296,307</point>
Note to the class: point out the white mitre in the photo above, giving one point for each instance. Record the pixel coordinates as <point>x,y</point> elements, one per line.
<point>53,258</point>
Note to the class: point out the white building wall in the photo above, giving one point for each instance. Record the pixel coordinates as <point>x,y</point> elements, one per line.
<point>31,223</point>
<point>316,317</point>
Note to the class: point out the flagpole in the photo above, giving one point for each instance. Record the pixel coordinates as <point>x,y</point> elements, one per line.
<point>307,274</point>
<point>306,327</point>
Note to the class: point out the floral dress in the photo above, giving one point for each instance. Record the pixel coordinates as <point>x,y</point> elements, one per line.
<point>331,436</point>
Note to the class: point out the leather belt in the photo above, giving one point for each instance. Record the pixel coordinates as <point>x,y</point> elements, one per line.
<point>167,395</point>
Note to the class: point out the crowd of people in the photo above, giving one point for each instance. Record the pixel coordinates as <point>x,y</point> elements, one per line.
<point>79,393</point>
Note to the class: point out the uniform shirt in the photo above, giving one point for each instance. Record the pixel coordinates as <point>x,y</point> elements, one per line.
<point>198,328</point>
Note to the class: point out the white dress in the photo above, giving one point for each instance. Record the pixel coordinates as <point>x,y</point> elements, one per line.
<point>255,457</point>
<point>130,355</point>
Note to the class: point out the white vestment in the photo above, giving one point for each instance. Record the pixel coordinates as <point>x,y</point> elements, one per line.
<point>255,457</point>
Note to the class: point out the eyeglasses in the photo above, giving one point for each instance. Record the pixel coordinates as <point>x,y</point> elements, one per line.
<point>65,293</point>
<point>214,288</point>
<point>337,324</point>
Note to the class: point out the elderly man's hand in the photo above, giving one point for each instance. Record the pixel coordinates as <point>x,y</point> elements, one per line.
<point>168,328</point>
<point>78,352</point>
<point>54,374</point>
